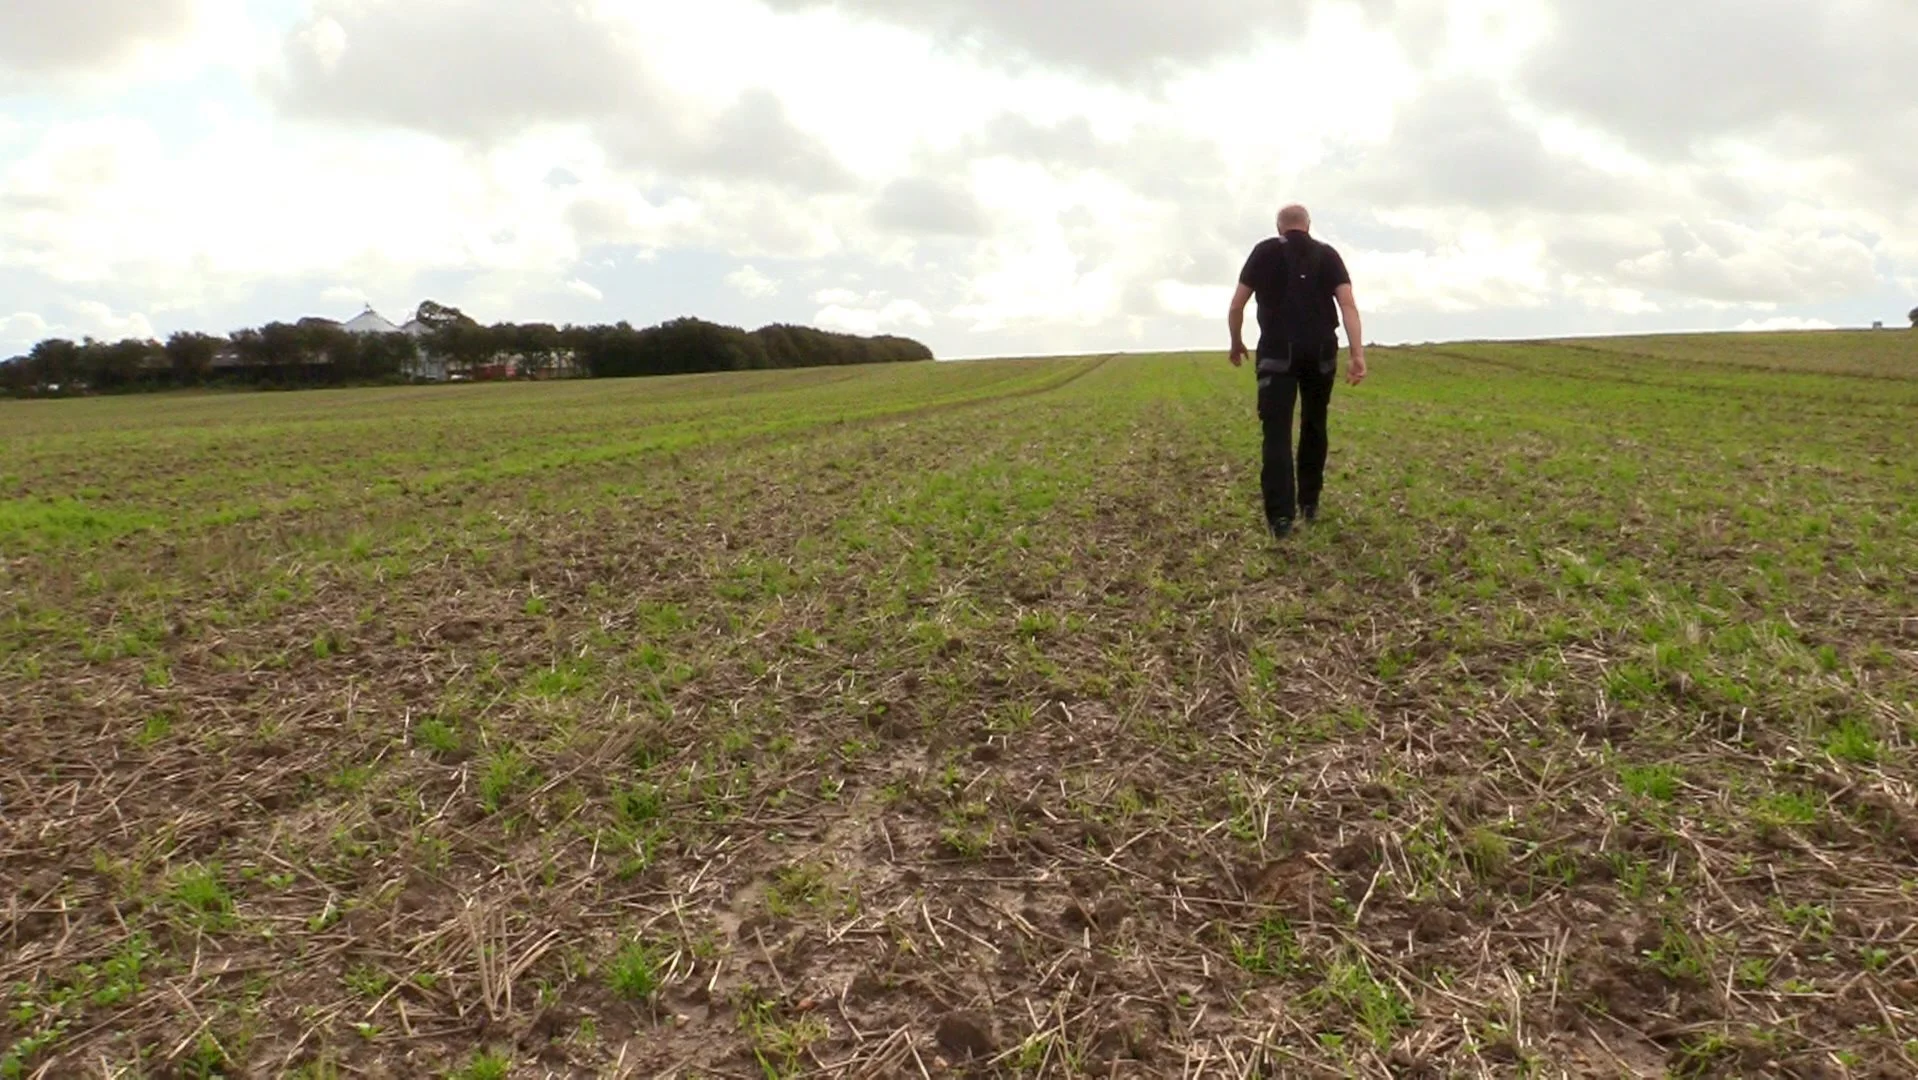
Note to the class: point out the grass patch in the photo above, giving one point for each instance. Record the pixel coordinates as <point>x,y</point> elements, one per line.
<point>1853,741</point>
<point>485,1065</point>
<point>1376,1009</point>
<point>436,736</point>
<point>504,774</point>
<point>1655,782</point>
<point>199,895</point>
<point>1271,949</point>
<point>634,972</point>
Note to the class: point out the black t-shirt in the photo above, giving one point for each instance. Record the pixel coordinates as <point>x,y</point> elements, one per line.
<point>1314,322</point>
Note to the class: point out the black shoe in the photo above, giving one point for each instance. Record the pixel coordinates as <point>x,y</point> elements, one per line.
<point>1311,513</point>
<point>1281,528</point>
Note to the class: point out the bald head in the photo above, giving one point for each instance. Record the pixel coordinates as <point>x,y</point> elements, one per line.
<point>1295,217</point>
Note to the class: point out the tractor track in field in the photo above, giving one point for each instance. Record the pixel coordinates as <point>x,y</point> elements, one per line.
<point>1836,406</point>
<point>1601,352</point>
<point>280,524</point>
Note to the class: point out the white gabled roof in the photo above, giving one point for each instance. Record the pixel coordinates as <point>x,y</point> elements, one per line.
<point>371,322</point>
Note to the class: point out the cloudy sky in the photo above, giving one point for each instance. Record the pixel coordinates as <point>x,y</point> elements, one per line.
<point>991,176</point>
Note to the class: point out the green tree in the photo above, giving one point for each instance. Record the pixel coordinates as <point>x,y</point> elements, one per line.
<point>190,357</point>
<point>900,350</point>
<point>385,356</point>
<point>93,366</point>
<point>273,353</point>
<point>539,345</point>
<point>114,365</point>
<point>437,315</point>
<point>463,343</point>
<point>328,352</point>
<point>136,360</point>
<point>54,362</point>
<point>687,345</point>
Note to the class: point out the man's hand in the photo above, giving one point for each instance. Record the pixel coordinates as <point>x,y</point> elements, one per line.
<point>1354,332</point>
<point>1235,323</point>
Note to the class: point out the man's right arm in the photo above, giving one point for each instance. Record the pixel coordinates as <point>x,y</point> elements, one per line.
<point>1235,323</point>
<point>1249,276</point>
<point>1354,330</point>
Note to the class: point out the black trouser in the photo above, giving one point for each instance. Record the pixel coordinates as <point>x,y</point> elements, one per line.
<point>1309,377</point>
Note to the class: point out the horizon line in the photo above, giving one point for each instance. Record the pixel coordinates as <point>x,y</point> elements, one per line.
<point>1477,340</point>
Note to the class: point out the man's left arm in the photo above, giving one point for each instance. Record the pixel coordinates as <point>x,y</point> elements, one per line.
<point>1354,333</point>
<point>1349,317</point>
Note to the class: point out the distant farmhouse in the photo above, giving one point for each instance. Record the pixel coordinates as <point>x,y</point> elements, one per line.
<point>424,366</point>
<point>419,366</point>
<point>437,355</point>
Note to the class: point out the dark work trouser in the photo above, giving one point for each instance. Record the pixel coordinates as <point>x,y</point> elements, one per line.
<point>1309,379</point>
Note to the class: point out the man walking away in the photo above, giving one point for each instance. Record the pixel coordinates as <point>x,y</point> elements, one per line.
<point>1303,287</point>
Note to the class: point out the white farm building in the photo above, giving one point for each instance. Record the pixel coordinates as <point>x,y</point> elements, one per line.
<point>425,366</point>
<point>505,362</point>
<point>370,322</point>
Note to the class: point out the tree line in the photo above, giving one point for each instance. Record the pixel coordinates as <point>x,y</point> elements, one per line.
<point>443,343</point>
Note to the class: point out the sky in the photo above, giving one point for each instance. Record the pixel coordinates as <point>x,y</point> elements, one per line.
<point>992,177</point>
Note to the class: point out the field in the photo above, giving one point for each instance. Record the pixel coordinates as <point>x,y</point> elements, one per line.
<point>958,719</point>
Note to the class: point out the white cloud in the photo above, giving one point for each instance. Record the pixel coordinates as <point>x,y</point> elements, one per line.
<point>849,320</point>
<point>905,313</point>
<point>749,282</point>
<point>1600,296</point>
<point>1488,273</point>
<point>83,319</point>
<point>324,40</point>
<point>1122,40</point>
<point>874,317</point>
<point>39,37</point>
<point>20,330</point>
<point>1783,322</point>
<point>929,206</point>
<point>93,318</point>
<point>1194,301</point>
<point>1718,260</point>
<point>1011,176</point>
<point>91,48</point>
<point>502,68</point>
<point>186,223</point>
